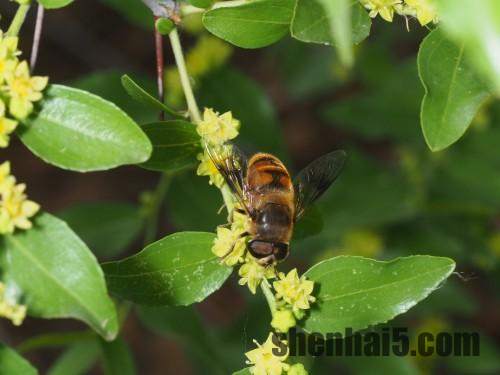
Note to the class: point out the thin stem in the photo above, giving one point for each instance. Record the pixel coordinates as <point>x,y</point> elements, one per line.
<point>158,198</point>
<point>159,68</point>
<point>37,37</point>
<point>271,301</point>
<point>18,20</point>
<point>194,112</point>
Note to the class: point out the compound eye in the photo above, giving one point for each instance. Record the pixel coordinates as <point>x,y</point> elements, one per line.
<point>281,251</point>
<point>260,249</point>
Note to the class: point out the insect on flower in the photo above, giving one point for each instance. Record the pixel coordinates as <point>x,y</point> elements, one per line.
<point>263,187</point>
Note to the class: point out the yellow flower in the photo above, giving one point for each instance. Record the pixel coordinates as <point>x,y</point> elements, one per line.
<point>383,7</point>
<point>424,10</point>
<point>15,209</point>
<point>241,222</point>
<point>6,180</point>
<point>294,290</point>
<point>283,320</point>
<point>9,308</point>
<point>217,129</point>
<point>7,126</point>
<point>252,273</point>
<point>297,369</point>
<point>207,168</point>
<point>24,90</point>
<point>225,241</point>
<point>264,361</point>
<point>8,46</point>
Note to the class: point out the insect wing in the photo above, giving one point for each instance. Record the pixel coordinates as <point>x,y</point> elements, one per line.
<point>232,165</point>
<point>316,178</point>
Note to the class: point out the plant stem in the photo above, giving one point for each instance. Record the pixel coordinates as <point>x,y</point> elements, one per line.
<point>159,68</point>
<point>18,20</point>
<point>37,37</point>
<point>271,301</point>
<point>194,112</point>
<point>158,198</point>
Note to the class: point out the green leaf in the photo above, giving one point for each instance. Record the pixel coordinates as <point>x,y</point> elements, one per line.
<point>357,292</point>
<point>142,96</point>
<point>80,131</point>
<point>108,228</point>
<point>252,25</point>
<point>164,26</point>
<point>453,92</point>
<point>193,203</point>
<point>57,275</point>
<point>175,145</point>
<point>117,358</point>
<point>54,4</point>
<point>314,22</point>
<point>107,84</point>
<point>476,24</point>
<point>77,359</point>
<point>177,270</point>
<point>12,363</point>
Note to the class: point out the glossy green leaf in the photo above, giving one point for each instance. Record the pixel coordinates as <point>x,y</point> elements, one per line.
<point>80,131</point>
<point>12,363</point>
<point>164,26</point>
<point>108,228</point>
<point>252,25</point>
<point>142,96</point>
<point>54,4</point>
<point>117,358</point>
<point>78,359</point>
<point>476,24</point>
<point>357,292</point>
<point>453,92</point>
<point>175,145</point>
<point>177,270</point>
<point>57,275</point>
<point>107,85</point>
<point>313,23</point>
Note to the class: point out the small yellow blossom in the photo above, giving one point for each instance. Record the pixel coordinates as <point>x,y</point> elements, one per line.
<point>207,168</point>
<point>229,245</point>
<point>24,90</point>
<point>297,369</point>
<point>264,361</point>
<point>15,209</point>
<point>9,308</point>
<point>6,180</point>
<point>423,10</point>
<point>252,273</point>
<point>241,222</point>
<point>383,7</point>
<point>216,129</point>
<point>8,52</point>
<point>294,290</point>
<point>283,320</point>
<point>7,126</point>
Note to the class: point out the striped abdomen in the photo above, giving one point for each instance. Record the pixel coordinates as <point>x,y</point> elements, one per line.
<point>272,196</point>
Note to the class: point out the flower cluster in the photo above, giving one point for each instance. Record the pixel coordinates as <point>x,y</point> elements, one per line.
<point>423,10</point>
<point>293,298</point>
<point>264,362</point>
<point>9,308</point>
<point>18,89</point>
<point>15,208</point>
<point>215,130</point>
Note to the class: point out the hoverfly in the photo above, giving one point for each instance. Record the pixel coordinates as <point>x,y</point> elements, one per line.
<point>263,187</point>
